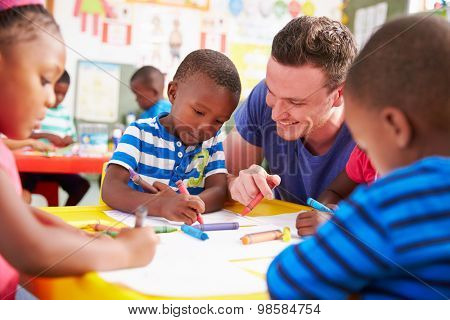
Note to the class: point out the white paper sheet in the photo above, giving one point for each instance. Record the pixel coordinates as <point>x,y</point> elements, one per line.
<point>185,274</point>
<point>213,217</point>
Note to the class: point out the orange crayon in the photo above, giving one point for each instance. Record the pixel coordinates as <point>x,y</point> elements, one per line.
<point>255,201</point>
<point>262,236</point>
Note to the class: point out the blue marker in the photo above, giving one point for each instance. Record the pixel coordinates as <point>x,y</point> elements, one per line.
<point>193,232</point>
<point>318,206</point>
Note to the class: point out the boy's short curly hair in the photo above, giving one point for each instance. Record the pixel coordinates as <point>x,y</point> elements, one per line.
<point>405,64</point>
<point>213,64</point>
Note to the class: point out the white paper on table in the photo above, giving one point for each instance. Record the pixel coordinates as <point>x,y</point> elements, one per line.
<point>281,221</point>
<point>221,216</point>
<point>186,273</point>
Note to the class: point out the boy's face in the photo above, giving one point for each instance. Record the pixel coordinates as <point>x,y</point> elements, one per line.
<point>379,133</point>
<point>28,72</point>
<point>61,89</point>
<point>146,96</point>
<point>299,100</point>
<point>199,108</point>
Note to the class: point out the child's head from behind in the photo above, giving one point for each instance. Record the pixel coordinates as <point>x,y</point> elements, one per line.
<point>396,94</point>
<point>147,83</point>
<point>204,93</point>
<point>32,58</point>
<point>61,88</point>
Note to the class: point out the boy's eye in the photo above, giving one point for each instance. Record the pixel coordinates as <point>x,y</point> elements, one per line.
<point>44,81</point>
<point>198,112</point>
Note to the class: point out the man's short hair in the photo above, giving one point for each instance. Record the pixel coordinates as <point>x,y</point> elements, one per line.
<point>319,41</point>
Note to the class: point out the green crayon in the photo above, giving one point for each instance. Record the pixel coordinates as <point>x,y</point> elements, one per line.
<point>164,229</point>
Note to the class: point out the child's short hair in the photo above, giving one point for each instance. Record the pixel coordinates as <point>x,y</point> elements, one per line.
<point>23,24</point>
<point>149,76</point>
<point>213,64</point>
<point>406,64</point>
<point>65,78</point>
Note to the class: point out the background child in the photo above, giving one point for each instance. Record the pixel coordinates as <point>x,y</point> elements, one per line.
<point>390,240</point>
<point>57,128</point>
<point>359,170</point>
<point>147,83</point>
<point>33,242</point>
<point>183,145</point>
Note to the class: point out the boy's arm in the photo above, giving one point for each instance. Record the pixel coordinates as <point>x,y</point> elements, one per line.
<point>215,192</point>
<point>166,203</point>
<point>53,138</point>
<point>338,190</point>
<point>342,258</point>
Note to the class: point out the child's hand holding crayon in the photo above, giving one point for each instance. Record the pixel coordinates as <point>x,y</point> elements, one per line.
<point>139,245</point>
<point>177,207</point>
<point>308,222</point>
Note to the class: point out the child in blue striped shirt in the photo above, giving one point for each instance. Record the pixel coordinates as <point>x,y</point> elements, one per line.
<point>185,144</point>
<point>390,240</point>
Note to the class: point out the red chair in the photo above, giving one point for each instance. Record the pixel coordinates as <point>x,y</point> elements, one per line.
<point>50,192</point>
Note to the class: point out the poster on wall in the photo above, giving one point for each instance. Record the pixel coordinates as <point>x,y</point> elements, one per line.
<point>97,91</point>
<point>251,61</point>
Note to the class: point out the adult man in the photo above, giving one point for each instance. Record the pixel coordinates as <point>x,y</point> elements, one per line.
<point>294,118</point>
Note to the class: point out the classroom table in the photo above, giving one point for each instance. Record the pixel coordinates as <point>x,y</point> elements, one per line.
<point>38,163</point>
<point>59,164</point>
<point>91,286</point>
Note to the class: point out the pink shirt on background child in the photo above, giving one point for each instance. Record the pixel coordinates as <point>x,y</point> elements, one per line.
<point>359,168</point>
<point>9,277</point>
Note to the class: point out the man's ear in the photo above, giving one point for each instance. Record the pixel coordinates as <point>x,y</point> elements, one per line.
<point>398,126</point>
<point>338,96</point>
<point>172,88</point>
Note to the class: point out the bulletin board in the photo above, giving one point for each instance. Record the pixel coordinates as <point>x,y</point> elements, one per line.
<point>102,91</point>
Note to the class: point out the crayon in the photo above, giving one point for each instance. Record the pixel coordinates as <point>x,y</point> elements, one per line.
<point>101,227</point>
<point>193,232</point>
<point>255,201</point>
<point>262,237</point>
<point>164,229</point>
<point>286,234</point>
<point>137,180</point>
<point>183,190</point>
<point>140,213</point>
<point>318,206</point>
<point>217,226</point>
<point>110,233</point>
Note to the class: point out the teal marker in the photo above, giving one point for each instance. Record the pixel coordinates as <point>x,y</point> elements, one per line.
<point>194,232</point>
<point>318,206</point>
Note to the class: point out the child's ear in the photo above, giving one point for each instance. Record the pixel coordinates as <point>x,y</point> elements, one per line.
<point>172,91</point>
<point>398,126</point>
<point>338,96</point>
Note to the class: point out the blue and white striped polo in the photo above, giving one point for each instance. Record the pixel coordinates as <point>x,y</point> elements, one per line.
<point>150,150</point>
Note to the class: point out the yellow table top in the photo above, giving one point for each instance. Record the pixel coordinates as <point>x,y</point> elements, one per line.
<point>91,286</point>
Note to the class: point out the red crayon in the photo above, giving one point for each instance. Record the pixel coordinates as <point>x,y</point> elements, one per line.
<point>183,190</point>
<point>256,200</point>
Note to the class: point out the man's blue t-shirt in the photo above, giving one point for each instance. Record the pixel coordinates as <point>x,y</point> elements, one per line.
<point>302,174</point>
<point>156,109</point>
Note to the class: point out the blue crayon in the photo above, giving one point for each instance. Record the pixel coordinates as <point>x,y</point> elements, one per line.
<point>193,232</point>
<point>217,226</point>
<point>318,206</point>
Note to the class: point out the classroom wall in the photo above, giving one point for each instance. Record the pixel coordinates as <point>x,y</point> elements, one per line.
<point>142,32</point>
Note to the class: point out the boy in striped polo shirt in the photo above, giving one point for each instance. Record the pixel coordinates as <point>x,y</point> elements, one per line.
<point>185,144</point>
<point>390,240</point>
<point>58,129</point>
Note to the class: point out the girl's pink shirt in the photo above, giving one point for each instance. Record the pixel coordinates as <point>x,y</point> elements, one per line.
<point>9,277</point>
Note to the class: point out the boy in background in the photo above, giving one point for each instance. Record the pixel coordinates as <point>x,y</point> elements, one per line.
<point>59,130</point>
<point>390,240</point>
<point>147,83</point>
